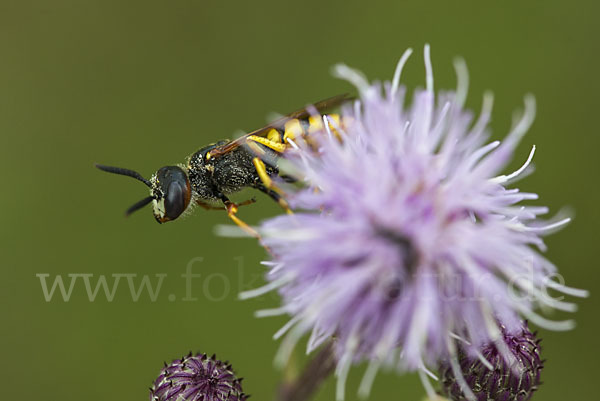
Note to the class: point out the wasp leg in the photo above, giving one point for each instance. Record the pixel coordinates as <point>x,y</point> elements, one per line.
<point>288,178</point>
<point>262,153</point>
<point>232,209</point>
<point>276,146</point>
<point>261,169</point>
<point>247,202</point>
<point>268,186</point>
<point>275,196</point>
<point>208,206</point>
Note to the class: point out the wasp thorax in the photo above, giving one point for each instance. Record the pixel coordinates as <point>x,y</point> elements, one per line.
<point>171,192</point>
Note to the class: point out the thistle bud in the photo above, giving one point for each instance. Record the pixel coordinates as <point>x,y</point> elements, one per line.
<point>198,378</point>
<point>503,382</point>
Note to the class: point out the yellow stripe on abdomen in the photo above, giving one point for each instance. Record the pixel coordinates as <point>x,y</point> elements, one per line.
<point>302,130</point>
<point>292,130</point>
<point>274,135</point>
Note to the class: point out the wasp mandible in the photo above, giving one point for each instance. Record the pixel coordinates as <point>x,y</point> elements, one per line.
<point>228,166</point>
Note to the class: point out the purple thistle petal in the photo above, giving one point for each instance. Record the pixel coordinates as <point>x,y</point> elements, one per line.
<point>406,236</point>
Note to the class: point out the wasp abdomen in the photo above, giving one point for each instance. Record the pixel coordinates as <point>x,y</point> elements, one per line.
<point>301,128</point>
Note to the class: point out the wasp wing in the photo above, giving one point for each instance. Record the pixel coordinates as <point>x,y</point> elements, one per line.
<point>303,113</point>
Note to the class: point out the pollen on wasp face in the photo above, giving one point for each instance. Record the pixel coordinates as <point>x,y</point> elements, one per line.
<point>197,378</point>
<point>503,382</point>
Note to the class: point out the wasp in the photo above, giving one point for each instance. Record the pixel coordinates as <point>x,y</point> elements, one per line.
<point>220,169</point>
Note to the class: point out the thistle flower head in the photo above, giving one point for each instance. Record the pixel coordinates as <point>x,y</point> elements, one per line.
<point>408,237</point>
<point>197,378</point>
<point>498,381</point>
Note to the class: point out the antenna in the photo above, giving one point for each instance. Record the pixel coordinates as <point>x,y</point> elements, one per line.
<point>138,205</point>
<point>127,172</point>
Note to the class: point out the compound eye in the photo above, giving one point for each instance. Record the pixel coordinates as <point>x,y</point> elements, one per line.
<point>172,193</point>
<point>175,200</point>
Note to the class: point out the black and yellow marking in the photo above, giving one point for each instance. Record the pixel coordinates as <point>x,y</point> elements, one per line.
<point>279,139</point>
<point>276,146</point>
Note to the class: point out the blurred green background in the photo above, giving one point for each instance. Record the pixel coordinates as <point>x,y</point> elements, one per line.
<point>142,84</point>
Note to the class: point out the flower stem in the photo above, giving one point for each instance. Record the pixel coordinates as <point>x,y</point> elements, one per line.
<point>315,372</point>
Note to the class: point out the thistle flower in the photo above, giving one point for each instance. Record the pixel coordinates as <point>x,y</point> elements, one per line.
<point>197,378</point>
<point>498,381</point>
<point>407,238</point>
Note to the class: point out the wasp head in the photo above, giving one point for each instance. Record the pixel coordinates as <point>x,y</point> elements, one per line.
<point>170,191</point>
